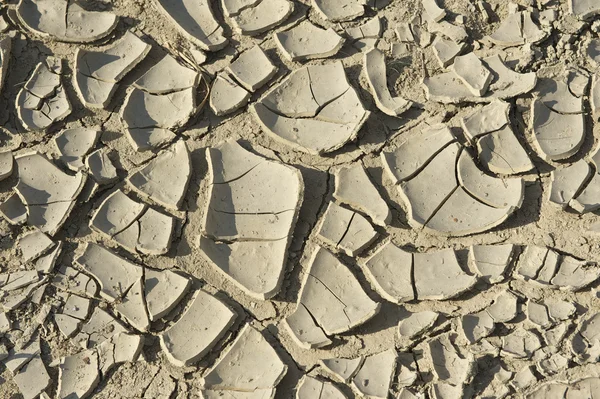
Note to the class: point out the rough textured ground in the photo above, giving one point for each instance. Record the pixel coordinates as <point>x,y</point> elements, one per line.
<point>537,221</point>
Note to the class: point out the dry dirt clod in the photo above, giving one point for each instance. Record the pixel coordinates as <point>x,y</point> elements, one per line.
<point>226,96</point>
<point>333,297</point>
<point>446,51</point>
<point>167,76</point>
<point>5,52</point>
<point>389,270</point>
<point>74,144</point>
<point>249,364</point>
<point>491,261</point>
<point>445,88</point>
<point>183,349</point>
<point>100,167</point>
<point>65,21</point>
<point>252,69</point>
<point>163,290</point>
<point>556,106</point>
<point>343,369</point>
<point>366,199</point>
<point>309,113</point>
<point>374,377</point>
<point>114,274</point>
<point>99,72</point>
<point>13,210</point>
<point>310,387</point>
<point>567,181</point>
<point>584,8</point>
<point>417,324</point>
<point>6,164</point>
<point>165,178</point>
<point>48,193</point>
<point>337,11</point>
<point>441,209</point>
<point>345,230</point>
<point>252,210</point>
<point>375,70</point>
<point>43,100</point>
<point>196,21</point>
<point>473,73</point>
<point>306,41</point>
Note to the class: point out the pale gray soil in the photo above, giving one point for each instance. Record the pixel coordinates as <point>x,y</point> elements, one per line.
<point>537,222</point>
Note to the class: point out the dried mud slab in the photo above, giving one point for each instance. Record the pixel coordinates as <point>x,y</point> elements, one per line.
<point>311,387</point>
<point>65,21</point>
<point>226,96</point>
<point>517,29</point>
<point>6,164</point>
<point>250,365</point>
<point>163,290</point>
<point>333,297</point>
<point>449,366</point>
<point>547,268</point>
<point>33,378</point>
<point>464,200</point>
<point>167,76</point>
<point>346,230</point>
<point>48,193</point>
<point>308,113</point>
<point>195,20</point>
<point>34,244</point>
<point>43,101</point>
<point>375,375</point>
<point>306,41</point>
<point>557,120</point>
<point>417,324</point>
<point>79,374</point>
<point>250,215</point>
<point>389,270</point>
<point>262,16</point>
<point>100,327</point>
<point>5,52</point>
<point>491,261</point>
<point>400,276</point>
<point>439,276</point>
<point>99,72</point>
<point>498,149</point>
<point>578,185</point>
<point>114,274</point>
<point>74,144</point>
<point>343,369</point>
<point>191,337</point>
<point>162,100</point>
<point>433,11</point>
<point>100,167</point>
<point>165,178</point>
<point>13,210</point>
<point>567,182</point>
<point>143,110</point>
<point>365,199</point>
<point>338,11</point>
<point>473,73</point>
<point>584,8</point>
<point>446,50</point>
<point>252,69</point>
<point>506,83</point>
<point>375,70</point>
<point>366,36</point>
<point>134,226</point>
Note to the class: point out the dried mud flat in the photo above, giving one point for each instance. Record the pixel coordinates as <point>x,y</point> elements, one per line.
<point>302,199</point>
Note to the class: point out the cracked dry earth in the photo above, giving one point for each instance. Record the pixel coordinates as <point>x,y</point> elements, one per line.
<point>310,199</point>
